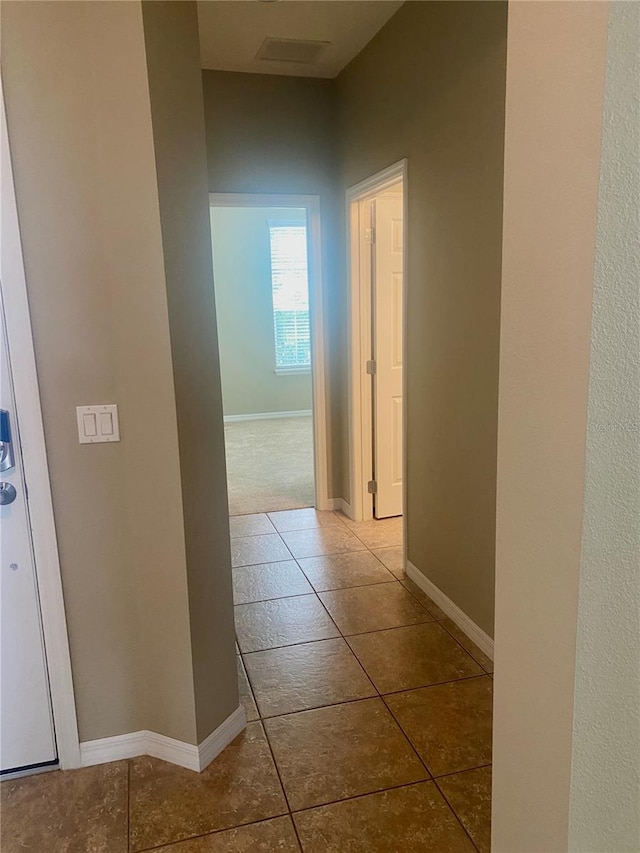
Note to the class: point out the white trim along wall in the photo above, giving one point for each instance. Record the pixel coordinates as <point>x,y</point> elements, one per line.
<point>186,755</point>
<point>312,205</point>
<point>267,416</point>
<point>468,626</point>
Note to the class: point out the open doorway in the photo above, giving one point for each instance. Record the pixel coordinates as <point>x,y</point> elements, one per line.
<point>377,246</point>
<point>266,255</point>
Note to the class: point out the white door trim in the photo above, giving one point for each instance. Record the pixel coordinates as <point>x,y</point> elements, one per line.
<point>36,471</point>
<point>359,276</point>
<point>312,205</point>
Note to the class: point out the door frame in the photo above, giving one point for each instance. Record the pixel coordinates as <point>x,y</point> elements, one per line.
<point>14,303</point>
<point>318,371</point>
<point>359,312</point>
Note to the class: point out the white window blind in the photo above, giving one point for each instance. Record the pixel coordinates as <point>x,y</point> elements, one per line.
<point>290,293</point>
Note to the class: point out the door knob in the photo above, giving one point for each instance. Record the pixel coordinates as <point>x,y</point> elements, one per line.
<point>6,447</point>
<point>7,493</point>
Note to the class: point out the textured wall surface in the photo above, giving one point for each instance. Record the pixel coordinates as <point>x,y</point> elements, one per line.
<point>605,779</point>
<point>555,79</point>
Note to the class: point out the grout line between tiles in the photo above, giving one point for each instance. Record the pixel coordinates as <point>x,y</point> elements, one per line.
<point>169,844</point>
<point>435,618</point>
<point>273,598</point>
<point>378,694</point>
<point>291,813</point>
<point>295,829</point>
<point>318,592</point>
<point>460,772</point>
<point>251,535</point>
<point>409,741</point>
<point>288,559</point>
<point>284,792</point>
<point>432,619</point>
<point>453,637</point>
<point>361,796</point>
<point>344,636</point>
<point>358,698</point>
<point>455,814</point>
<point>356,586</point>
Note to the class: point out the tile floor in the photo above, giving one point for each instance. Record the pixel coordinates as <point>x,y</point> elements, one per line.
<point>369,720</point>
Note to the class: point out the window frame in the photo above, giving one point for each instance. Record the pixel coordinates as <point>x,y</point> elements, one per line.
<point>299,368</point>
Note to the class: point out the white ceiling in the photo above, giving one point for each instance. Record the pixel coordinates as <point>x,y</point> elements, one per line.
<point>232,32</point>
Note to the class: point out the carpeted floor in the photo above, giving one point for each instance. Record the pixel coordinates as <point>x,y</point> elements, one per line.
<point>269,464</point>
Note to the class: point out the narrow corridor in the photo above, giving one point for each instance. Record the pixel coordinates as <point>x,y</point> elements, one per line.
<point>369,719</point>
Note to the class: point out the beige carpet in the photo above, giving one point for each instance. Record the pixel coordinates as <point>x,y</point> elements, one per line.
<point>269,464</point>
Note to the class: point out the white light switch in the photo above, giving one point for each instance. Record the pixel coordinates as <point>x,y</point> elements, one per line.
<point>89,425</point>
<point>97,423</point>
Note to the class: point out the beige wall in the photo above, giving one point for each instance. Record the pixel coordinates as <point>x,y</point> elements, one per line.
<point>175,86</point>
<point>430,87</point>
<point>605,769</point>
<point>555,72</point>
<point>77,96</point>
<point>268,134</point>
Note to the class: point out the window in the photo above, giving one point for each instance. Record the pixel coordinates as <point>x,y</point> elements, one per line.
<point>290,294</point>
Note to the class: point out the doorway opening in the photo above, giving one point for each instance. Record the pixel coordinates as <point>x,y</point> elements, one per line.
<point>376,222</point>
<point>268,283</point>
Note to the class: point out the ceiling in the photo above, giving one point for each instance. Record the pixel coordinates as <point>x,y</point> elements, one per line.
<point>232,32</point>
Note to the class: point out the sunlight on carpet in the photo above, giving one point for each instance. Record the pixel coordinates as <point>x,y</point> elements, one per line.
<point>269,464</point>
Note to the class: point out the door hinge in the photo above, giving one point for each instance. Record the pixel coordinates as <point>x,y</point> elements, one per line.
<point>372,487</point>
<point>371,368</point>
<point>370,235</point>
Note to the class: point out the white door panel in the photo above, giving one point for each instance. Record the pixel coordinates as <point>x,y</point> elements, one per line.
<point>26,726</point>
<point>388,354</point>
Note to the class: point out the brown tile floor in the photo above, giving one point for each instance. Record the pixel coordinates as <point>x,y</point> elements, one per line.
<point>369,720</point>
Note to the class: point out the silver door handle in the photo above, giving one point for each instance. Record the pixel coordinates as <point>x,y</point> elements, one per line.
<point>6,445</point>
<point>7,493</point>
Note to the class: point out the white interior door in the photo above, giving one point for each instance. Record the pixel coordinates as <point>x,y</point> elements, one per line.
<point>388,352</point>
<point>26,723</point>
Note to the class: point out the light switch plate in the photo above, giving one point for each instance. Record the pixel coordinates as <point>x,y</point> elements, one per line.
<point>97,423</point>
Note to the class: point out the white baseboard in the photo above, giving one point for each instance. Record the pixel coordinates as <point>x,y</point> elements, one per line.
<point>166,748</point>
<point>339,505</point>
<point>473,631</point>
<point>266,416</point>
<point>113,748</point>
<point>221,737</point>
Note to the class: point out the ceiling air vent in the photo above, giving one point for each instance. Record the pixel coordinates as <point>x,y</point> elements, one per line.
<point>291,50</point>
